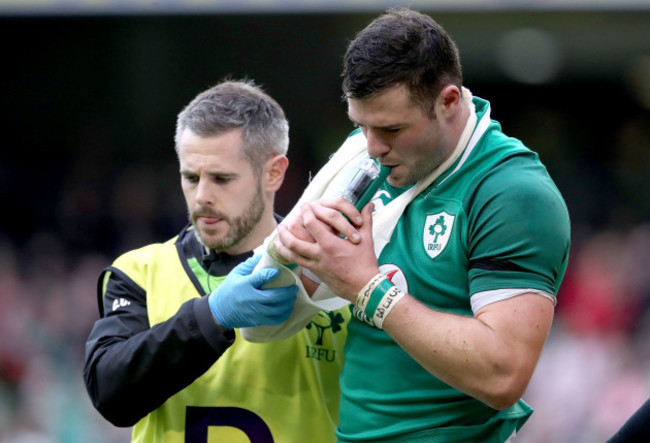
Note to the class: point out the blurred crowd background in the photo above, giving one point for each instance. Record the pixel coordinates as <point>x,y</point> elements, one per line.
<point>88,101</point>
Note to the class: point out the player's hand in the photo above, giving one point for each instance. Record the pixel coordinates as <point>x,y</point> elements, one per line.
<point>239,302</point>
<point>344,265</point>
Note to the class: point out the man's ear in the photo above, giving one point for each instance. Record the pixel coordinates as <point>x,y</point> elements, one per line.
<point>274,172</point>
<point>449,100</point>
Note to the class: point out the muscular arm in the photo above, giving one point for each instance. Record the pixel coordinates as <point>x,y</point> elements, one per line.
<point>131,368</point>
<point>490,356</point>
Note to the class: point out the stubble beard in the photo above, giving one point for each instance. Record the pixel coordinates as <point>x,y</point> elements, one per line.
<point>238,227</point>
<point>424,166</point>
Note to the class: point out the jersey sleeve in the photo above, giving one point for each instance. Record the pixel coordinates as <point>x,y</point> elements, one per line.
<point>131,368</point>
<point>518,230</point>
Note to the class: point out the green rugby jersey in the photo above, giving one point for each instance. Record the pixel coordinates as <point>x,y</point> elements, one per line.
<point>494,220</point>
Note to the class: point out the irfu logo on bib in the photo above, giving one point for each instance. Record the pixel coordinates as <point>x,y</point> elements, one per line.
<point>437,230</point>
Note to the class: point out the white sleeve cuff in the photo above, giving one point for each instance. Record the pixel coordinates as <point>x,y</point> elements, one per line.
<point>484,298</point>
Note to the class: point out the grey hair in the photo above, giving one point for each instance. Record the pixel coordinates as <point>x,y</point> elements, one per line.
<point>238,104</point>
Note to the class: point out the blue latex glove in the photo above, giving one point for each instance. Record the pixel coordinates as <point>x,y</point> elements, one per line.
<point>240,303</point>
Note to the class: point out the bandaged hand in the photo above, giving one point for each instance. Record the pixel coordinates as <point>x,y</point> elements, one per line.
<point>239,302</point>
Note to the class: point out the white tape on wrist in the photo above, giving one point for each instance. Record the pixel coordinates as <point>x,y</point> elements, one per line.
<point>366,292</point>
<point>377,298</point>
<point>387,303</point>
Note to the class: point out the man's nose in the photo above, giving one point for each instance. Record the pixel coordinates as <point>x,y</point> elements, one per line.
<point>377,147</point>
<point>204,193</point>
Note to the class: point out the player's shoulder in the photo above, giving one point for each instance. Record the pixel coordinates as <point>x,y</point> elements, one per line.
<point>523,174</point>
<point>519,188</point>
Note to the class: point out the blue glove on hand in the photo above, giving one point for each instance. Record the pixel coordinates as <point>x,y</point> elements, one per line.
<point>240,303</point>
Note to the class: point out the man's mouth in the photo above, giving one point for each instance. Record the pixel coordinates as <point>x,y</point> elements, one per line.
<point>209,219</point>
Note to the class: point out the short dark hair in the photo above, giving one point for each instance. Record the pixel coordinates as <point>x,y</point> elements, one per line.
<point>401,47</point>
<point>238,104</point>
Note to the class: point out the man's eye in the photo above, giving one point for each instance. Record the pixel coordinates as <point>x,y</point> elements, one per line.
<point>222,180</point>
<point>191,178</point>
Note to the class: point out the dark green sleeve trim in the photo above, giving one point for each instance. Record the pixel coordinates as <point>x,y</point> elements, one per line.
<point>495,265</point>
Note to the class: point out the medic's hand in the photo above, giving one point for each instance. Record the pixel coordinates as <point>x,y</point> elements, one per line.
<point>239,302</point>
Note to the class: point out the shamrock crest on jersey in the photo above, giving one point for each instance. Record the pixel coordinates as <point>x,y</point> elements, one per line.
<point>437,230</point>
<point>326,320</point>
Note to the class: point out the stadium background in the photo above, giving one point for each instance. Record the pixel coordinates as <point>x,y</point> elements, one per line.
<point>89,92</point>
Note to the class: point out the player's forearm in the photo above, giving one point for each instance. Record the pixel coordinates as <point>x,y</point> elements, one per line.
<point>465,352</point>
